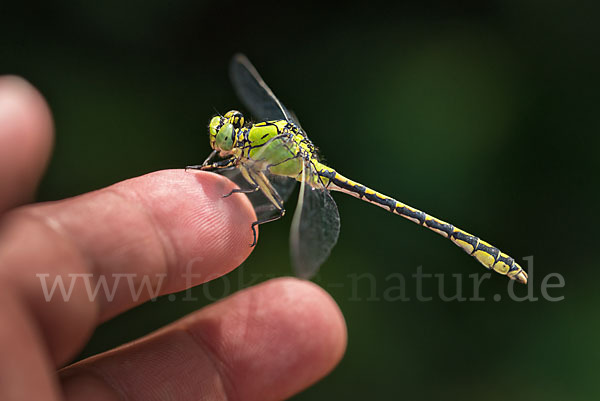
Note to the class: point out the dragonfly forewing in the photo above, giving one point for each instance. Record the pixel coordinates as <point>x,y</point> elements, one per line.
<point>315,227</point>
<point>254,92</point>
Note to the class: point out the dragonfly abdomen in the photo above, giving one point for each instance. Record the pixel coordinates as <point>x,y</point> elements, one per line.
<point>486,254</point>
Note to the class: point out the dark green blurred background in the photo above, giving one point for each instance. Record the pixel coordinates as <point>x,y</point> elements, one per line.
<point>482,113</point>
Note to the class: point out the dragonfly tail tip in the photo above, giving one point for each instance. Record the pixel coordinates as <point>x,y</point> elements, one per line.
<point>521,277</point>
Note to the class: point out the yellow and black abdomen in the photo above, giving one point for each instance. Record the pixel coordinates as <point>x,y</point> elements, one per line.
<point>488,255</point>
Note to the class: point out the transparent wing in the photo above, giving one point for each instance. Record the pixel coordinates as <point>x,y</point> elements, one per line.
<point>254,93</point>
<point>295,120</point>
<point>315,227</point>
<point>283,185</point>
<point>262,206</point>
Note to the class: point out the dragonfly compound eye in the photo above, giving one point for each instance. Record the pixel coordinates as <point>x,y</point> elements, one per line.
<point>225,138</point>
<point>213,127</point>
<point>235,118</point>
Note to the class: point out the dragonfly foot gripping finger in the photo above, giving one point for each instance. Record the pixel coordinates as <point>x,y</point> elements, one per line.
<point>262,221</point>
<point>242,191</point>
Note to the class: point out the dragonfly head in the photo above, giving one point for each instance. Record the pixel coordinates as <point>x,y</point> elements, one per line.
<point>223,130</point>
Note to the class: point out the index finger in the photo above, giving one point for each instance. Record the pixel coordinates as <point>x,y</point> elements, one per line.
<point>137,239</point>
<point>26,137</point>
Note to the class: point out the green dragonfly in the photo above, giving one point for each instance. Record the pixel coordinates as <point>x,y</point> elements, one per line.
<point>274,154</point>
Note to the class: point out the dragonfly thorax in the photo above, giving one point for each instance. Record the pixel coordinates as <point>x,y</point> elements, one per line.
<point>223,130</point>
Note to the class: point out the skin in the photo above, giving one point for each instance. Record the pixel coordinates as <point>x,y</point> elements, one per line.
<point>267,342</point>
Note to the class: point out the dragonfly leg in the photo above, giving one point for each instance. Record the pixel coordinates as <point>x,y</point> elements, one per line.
<point>262,182</point>
<point>220,165</point>
<point>210,157</point>
<point>280,214</point>
<point>250,190</point>
<point>249,179</point>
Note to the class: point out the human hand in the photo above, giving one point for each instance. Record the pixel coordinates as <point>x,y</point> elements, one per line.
<point>265,343</point>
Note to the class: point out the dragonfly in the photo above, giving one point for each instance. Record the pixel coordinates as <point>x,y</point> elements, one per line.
<point>274,154</point>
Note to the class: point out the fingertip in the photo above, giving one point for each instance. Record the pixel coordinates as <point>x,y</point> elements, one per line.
<point>169,229</point>
<point>209,235</point>
<point>267,342</point>
<point>310,309</point>
<point>26,137</point>
<point>286,335</point>
<point>144,237</point>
